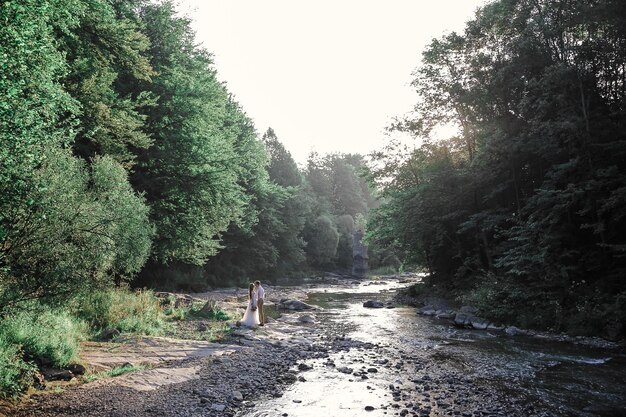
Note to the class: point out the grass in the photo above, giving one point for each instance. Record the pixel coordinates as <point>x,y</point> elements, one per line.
<point>117,371</point>
<point>208,310</point>
<point>38,334</point>
<point>119,308</point>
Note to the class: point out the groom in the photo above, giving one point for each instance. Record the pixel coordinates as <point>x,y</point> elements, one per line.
<point>260,297</point>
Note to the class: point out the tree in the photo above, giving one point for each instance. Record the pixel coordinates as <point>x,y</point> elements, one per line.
<point>525,204</point>
<point>190,174</point>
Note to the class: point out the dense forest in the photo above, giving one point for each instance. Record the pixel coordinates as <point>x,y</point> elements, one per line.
<point>126,163</point>
<point>522,212</point>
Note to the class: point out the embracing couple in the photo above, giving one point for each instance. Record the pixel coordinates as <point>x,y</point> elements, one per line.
<point>254,315</point>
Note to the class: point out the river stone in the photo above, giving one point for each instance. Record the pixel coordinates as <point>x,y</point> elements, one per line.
<point>345,370</point>
<point>295,305</point>
<point>462,319</point>
<point>427,311</point>
<point>479,323</point>
<point>218,407</point>
<point>449,314</point>
<point>304,367</point>
<point>306,319</point>
<point>237,395</point>
<point>514,331</point>
<point>373,304</point>
<point>52,374</point>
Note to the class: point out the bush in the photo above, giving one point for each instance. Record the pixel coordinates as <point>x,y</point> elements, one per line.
<point>15,374</point>
<point>52,335</point>
<point>122,309</point>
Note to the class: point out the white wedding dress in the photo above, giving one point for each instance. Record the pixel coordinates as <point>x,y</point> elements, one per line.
<point>251,318</point>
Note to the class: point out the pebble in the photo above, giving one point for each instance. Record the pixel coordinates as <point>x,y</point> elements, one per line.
<point>218,407</point>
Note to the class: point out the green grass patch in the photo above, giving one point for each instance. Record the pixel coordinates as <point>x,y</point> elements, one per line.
<point>38,335</point>
<point>119,308</point>
<point>208,310</point>
<point>117,371</point>
<point>51,335</point>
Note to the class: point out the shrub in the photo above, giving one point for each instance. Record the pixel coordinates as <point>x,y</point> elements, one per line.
<point>15,374</point>
<point>53,335</point>
<point>122,309</point>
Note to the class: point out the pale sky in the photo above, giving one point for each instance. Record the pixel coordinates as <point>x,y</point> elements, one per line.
<point>326,75</point>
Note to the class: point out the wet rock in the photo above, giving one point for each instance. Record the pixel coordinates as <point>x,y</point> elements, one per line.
<point>479,323</point>
<point>369,408</point>
<point>446,314</point>
<point>427,311</point>
<point>345,370</point>
<point>514,331</point>
<point>237,395</point>
<point>463,319</point>
<point>306,319</point>
<point>373,304</point>
<point>295,305</point>
<point>304,367</point>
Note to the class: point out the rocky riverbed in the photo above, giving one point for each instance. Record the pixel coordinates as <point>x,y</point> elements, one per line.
<point>344,359</point>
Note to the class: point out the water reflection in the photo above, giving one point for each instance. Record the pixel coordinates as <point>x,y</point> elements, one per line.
<point>561,378</point>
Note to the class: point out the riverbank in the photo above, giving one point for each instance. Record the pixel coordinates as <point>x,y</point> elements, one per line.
<point>342,359</point>
<point>190,377</point>
<point>432,303</point>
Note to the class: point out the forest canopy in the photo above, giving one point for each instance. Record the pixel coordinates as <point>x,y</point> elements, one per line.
<point>524,208</point>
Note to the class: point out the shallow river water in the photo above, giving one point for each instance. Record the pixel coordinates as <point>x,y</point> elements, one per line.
<point>387,362</point>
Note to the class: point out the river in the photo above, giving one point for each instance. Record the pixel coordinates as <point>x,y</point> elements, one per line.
<point>391,361</point>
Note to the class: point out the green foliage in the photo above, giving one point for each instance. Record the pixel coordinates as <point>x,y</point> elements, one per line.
<point>15,373</point>
<point>322,239</point>
<point>528,192</point>
<point>82,228</point>
<point>53,335</point>
<point>191,173</point>
<point>121,309</point>
<point>106,55</point>
<point>113,372</point>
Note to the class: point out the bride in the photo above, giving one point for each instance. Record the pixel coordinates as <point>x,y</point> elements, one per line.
<point>251,317</point>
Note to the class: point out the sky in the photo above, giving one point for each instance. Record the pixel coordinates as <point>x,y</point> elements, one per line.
<point>326,75</point>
